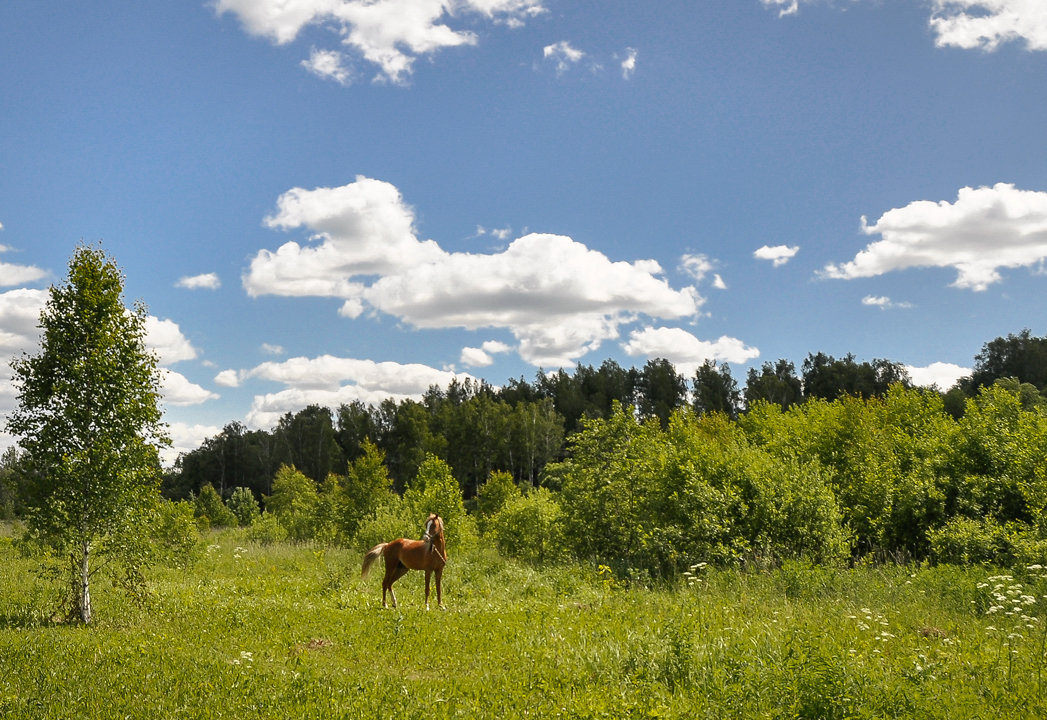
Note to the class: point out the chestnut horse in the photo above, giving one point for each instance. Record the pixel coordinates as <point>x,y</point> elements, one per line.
<point>401,555</point>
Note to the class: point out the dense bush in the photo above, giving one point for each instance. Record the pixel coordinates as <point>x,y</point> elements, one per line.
<point>243,505</point>
<point>211,511</point>
<point>530,527</point>
<point>294,503</point>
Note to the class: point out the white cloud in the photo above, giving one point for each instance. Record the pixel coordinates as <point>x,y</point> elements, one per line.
<point>496,347</point>
<point>391,34</point>
<point>697,266</point>
<point>269,349</point>
<point>559,298</point>
<point>176,389</point>
<point>331,381</point>
<point>475,357</point>
<point>328,64</point>
<point>628,65</point>
<point>884,303</point>
<point>11,274</point>
<point>986,229</point>
<point>563,55</point>
<point>166,338</point>
<point>207,281</point>
<point>19,315</point>
<point>497,233</point>
<point>779,254</point>
<point>227,378</point>
<point>482,356</point>
<point>986,24</point>
<point>944,375</point>
<point>684,350</point>
<point>785,7</point>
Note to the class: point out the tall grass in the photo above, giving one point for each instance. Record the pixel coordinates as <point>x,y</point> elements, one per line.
<point>289,631</point>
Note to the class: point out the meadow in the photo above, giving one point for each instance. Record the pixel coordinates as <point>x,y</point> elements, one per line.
<point>291,631</point>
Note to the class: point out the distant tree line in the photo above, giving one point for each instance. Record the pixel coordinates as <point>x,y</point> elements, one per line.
<point>521,427</point>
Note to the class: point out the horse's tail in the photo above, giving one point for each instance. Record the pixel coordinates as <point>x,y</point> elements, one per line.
<point>372,555</point>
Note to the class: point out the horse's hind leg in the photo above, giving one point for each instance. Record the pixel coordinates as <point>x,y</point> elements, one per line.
<point>439,591</point>
<point>392,574</point>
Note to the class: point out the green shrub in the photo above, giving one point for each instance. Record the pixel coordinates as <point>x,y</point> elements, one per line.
<point>209,505</point>
<point>965,541</point>
<point>531,527</point>
<point>266,530</point>
<point>495,494</point>
<point>244,506</point>
<point>391,520</point>
<point>174,533</point>
<point>294,502</point>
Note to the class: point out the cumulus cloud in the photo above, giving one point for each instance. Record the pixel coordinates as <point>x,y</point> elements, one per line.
<point>884,303</point>
<point>207,281</point>
<point>562,55</point>
<point>11,274</point>
<point>176,389</point>
<point>628,65</point>
<point>497,233</point>
<point>475,357</point>
<point>166,338</point>
<point>986,229</point>
<point>483,356</point>
<point>391,34</point>
<point>698,266</point>
<point>19,315</point>
<point>227,378</point>
<point>986,24</point>
<point>943,375</point>
<point>784,7</point>
<point>778,254</point>
<point>559,298</point>
<point>270,349</point>
<point>330,65</point>
<point>685,350</point>
<point>331,381</point>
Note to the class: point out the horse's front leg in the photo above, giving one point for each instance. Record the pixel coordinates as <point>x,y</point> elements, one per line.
<point>428,574</point>
<point>439,590</point>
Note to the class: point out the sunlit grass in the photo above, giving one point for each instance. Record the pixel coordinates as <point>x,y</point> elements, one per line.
<point>291,631</point>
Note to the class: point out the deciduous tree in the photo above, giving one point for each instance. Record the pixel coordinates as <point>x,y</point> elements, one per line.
<point>89,421</point>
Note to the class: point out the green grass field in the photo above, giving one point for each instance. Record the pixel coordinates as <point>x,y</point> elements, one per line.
<point>290,631</point>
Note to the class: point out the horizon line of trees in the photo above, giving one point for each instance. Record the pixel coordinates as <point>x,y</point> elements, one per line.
<point>523,426</point>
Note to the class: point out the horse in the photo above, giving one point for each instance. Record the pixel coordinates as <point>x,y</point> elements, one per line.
<point>401,555</point>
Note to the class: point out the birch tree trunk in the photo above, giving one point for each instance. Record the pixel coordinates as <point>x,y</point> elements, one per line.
<point>81,581</point>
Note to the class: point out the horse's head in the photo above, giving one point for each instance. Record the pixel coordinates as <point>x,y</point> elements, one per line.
<point>434,528</point>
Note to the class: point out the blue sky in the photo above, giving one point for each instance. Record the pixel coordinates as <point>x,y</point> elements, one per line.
<point>329,200</point>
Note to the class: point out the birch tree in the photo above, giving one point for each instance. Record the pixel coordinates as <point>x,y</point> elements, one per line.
<point>89,423</point>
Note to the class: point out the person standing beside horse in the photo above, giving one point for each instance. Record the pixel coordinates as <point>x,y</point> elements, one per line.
<point>428,554</point>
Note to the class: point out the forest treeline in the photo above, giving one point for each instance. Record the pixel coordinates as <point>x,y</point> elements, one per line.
<point>521,427</point>
<point>649,472</point>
